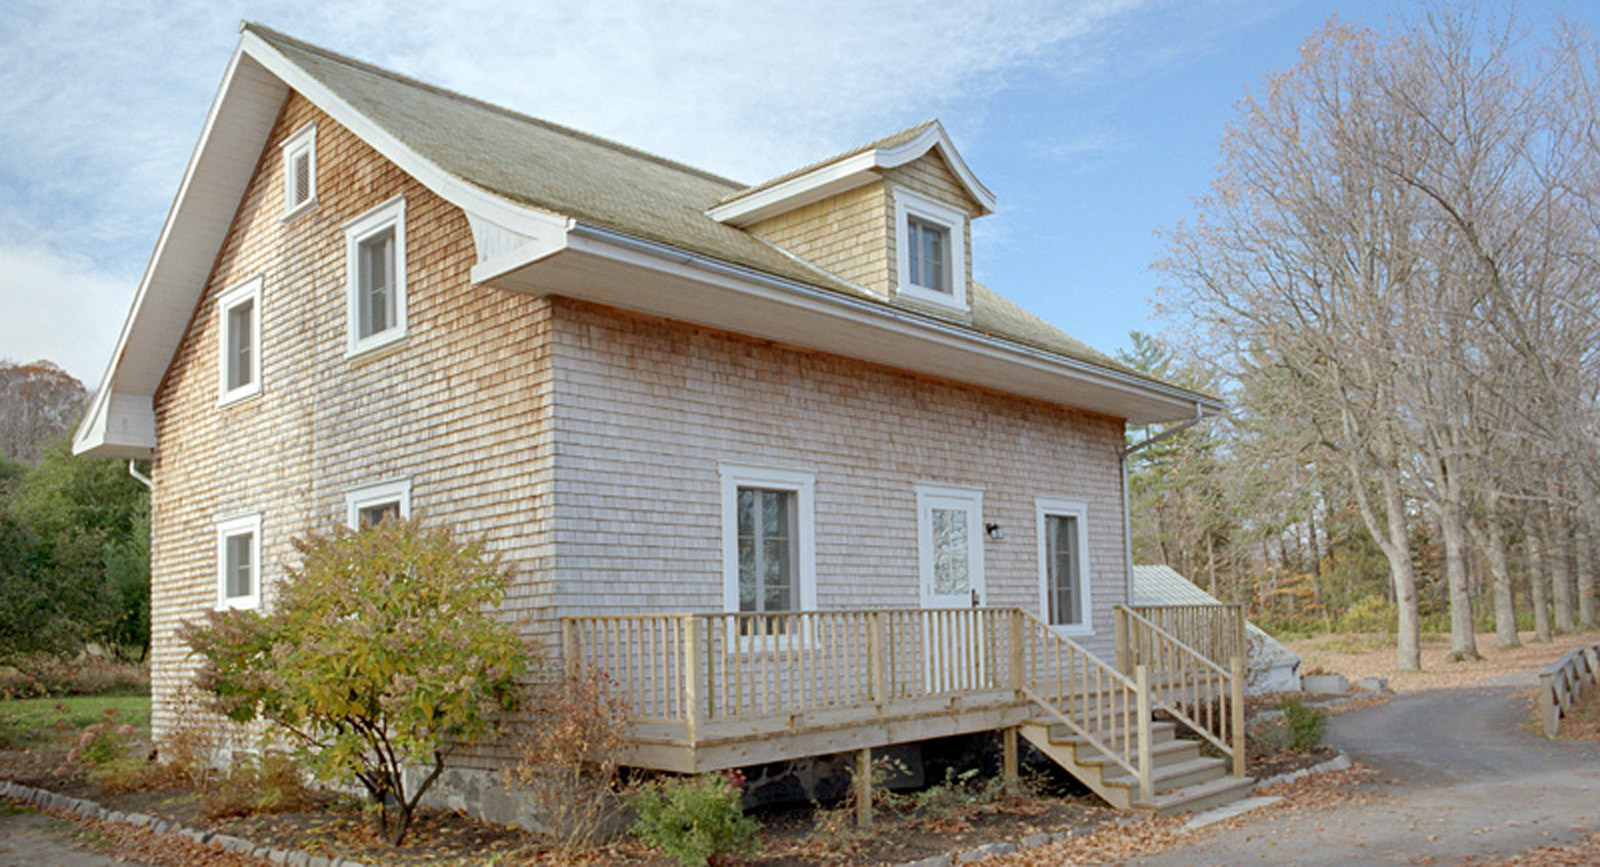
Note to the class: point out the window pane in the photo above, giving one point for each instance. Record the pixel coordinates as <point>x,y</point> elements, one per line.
<point>375,258</point>
<point>950,562</point>
<point>238,566</point>
<point>928,255</point>
<point>302,177</point>
<point>371,516</point>
<point>767,550</point>
<point>240,320</point>
<point>1061,563</point>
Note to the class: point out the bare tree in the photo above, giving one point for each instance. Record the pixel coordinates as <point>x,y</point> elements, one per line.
<point>37,401</point>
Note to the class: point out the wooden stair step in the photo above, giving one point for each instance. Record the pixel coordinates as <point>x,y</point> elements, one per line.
<point>1059,734</point>
<point>1198,797</point>
<point>1161,753</point>
<point>1176,776</point>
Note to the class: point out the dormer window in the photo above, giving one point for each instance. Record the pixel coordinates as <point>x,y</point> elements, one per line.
<point>930,251</point>
<point>300,171</point>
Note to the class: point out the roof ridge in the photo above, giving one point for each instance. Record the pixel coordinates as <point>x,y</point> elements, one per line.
<point>610,144</point>
<point>860,149</point>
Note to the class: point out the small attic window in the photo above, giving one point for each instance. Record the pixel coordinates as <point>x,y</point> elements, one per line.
<point>930,251</point>
<point>300,171</point>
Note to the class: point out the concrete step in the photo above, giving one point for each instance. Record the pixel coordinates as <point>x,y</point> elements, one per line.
<point>1175,776</point>
<point>1198,797</point>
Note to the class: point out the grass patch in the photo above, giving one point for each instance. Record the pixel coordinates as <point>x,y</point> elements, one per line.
<point>34,720</point>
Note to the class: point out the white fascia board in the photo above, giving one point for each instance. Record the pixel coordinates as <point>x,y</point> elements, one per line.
<point>847,174</point>
<point>939,336</point>
<point>182,257</point>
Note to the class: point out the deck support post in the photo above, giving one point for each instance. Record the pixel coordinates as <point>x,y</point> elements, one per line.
<point>1008,752</point>
<point>692,663</point>
<point>1236,706</point>
<point>1141,679</point>
<point>863,787</point>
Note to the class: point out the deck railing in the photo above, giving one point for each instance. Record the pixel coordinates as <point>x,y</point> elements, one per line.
<point>698,671</point>
<point>1215,631</point>
<point>1186,683</point>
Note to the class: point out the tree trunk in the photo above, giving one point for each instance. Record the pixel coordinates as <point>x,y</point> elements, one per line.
<point>1586,567</point>
<point>1505,605</point>
<point>1394,539</point>
<point>1463,632</point>
<point>1557,566</point>
<point>1537,586</point>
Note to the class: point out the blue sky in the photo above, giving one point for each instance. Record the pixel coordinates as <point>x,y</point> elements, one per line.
<point>1094,122</point>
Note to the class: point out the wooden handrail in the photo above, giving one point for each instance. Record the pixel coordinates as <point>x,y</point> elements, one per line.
<point>1197,691</point>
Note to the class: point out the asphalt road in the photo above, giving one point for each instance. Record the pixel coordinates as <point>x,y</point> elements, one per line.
<point>1470,782</point>
<point>29,839</point>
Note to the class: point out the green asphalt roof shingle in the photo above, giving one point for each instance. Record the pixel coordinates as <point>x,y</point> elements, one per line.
<point>608,185</point>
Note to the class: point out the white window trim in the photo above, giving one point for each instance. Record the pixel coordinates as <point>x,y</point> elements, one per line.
<point>803,484</point>
<point>909,204</point>
<point>303,141</point>
<point>356,499</point>
<point>227,528</point>
<point>925,492</point>
<point>390,213</point>
<point>247,291</point>
<point>1074,509</point>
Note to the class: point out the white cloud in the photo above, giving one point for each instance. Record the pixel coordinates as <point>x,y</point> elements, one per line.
<point>60,307</point>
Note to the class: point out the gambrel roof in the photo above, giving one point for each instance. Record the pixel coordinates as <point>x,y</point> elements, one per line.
<point>559,211</point>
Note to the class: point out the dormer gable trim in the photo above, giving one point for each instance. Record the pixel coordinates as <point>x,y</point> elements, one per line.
<point>847,173</point>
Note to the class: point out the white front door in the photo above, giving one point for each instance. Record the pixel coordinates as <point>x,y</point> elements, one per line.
<point>950,544</point>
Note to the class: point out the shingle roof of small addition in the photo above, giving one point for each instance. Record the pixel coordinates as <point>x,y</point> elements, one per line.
<point>606,184</point>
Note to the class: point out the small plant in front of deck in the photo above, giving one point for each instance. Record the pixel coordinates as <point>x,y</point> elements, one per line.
<point>1305,725</point>
<point>697,820</point>
<point>380,653</point>
<point>568,755</point>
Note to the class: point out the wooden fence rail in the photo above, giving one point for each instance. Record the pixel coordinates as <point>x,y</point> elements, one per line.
<point>1563,682</point>
<point>1216,632</point>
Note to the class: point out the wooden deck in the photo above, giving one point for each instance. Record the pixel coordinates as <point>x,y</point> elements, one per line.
<point>713,691</point>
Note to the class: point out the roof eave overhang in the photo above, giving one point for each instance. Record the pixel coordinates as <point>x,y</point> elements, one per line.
<point>846,174</point>
<point>120,421</point>
<point>606,267</point>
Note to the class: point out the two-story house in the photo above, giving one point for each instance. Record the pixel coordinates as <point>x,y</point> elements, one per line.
<point>768,453</point>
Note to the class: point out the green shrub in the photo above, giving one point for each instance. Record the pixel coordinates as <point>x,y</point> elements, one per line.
<point>695,819</point>
<point>1306,725</point>
<point>1372,614</point>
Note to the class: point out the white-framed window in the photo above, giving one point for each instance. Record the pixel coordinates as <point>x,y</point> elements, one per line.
<point>239,342</point>
<point>1064,565</point>
<point>375,245</point>
<point>768,540</point>
<point>300,171</point>
<point>239,562</point>
<point>930,250</point>
<point>950,545</point>
<point>370,504</point>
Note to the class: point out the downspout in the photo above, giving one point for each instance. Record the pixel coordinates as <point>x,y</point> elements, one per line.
<point>1127,511</point>
<point>133,470</point>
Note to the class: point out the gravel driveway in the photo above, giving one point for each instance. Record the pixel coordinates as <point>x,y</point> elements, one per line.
<point>1471,782</point>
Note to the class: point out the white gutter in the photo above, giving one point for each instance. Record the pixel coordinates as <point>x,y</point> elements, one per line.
<point>133,470</point>
<point>903,315</point>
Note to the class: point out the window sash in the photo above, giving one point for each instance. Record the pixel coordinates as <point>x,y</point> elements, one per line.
<point>376,513</point>
<point>929,255</point>
<point>239,566</point>
<point>1063,581</point>
<point>375,259</point>
<point>768,550</point>
<point>241,330</point>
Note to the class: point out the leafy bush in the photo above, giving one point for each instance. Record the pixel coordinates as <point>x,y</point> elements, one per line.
<point>1306,725</point>
<point>102,752</point>
<point>43,675</point>
<point>270,783</point>
<point>696,819</point>
<point>1370,615</point>
<point>380,653</point>
<point>568,756</point>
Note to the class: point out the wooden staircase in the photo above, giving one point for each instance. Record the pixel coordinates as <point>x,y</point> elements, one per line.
<point>1182,779</point>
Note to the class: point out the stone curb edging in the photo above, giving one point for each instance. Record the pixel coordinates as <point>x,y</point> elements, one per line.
<point>1339,762</point>
<point>48,800</point>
